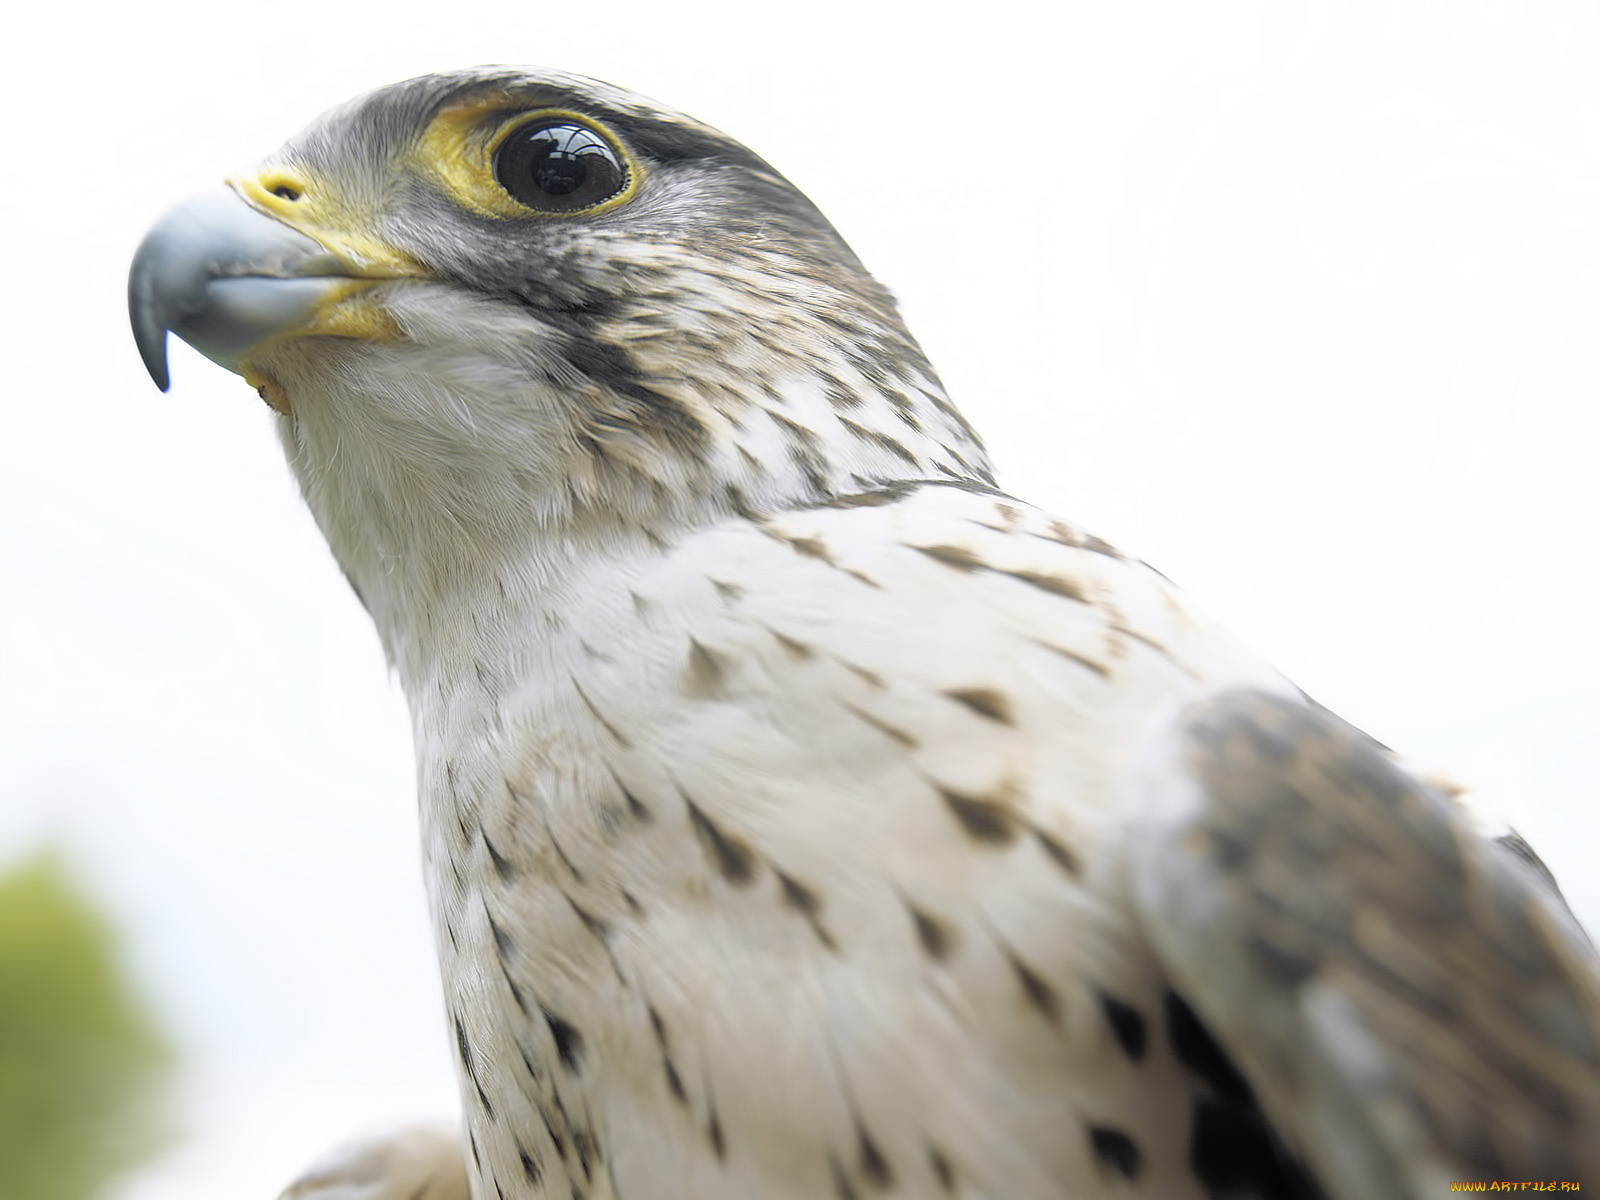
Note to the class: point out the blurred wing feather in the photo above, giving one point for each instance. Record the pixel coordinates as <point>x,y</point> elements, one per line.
<point>1409,1002</point>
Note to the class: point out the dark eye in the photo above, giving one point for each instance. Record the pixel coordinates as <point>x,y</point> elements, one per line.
<point>558,167</point>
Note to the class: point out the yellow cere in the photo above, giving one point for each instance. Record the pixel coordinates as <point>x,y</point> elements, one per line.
<point>459,145</point>
<point>295,199</point>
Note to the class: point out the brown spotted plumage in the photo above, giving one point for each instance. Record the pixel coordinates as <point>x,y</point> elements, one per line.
<point>803,817</point>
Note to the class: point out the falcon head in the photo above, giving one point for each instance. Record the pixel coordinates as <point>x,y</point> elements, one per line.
<point>499,305</point>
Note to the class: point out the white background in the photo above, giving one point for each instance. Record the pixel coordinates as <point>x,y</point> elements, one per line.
<point>1296,300</point>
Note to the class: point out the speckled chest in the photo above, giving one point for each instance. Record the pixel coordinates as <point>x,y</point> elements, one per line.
<point>781,881</point>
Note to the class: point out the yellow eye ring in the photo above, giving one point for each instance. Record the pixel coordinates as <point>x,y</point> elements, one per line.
<point>548,162</point>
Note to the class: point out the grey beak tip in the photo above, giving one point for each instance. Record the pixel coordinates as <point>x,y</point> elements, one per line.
<point>154,354</point>
<point>148,318</point>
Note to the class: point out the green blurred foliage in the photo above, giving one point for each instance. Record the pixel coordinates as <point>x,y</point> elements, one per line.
<point>82,1066</point>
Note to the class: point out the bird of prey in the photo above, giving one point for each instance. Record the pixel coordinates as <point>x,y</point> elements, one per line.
<point>804,817</point>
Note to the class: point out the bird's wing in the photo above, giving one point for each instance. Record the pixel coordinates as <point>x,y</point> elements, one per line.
<point>1410,1003</point>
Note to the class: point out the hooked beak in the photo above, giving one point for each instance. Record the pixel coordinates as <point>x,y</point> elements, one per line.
<point>226,277</point>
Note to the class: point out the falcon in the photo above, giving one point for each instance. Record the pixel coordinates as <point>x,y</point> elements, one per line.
<point>802,815</point>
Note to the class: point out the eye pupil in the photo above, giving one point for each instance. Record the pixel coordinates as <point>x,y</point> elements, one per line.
<point>559,166</point>
<point>560,174</point>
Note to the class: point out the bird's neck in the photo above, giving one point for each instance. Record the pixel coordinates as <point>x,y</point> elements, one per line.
<point>468,555</point>
<point>461,491</point>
